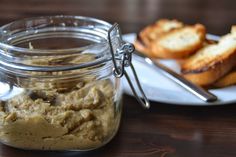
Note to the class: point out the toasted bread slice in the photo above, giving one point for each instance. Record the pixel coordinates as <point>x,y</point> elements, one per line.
<point>143,48</point>
<point>179,43</point>
<point>153,32</point>
<point>211,62</point>
<point>227,80</point>
<point>233,29</point>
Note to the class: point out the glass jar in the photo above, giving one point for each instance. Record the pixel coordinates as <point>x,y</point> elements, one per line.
<point>59,82</point>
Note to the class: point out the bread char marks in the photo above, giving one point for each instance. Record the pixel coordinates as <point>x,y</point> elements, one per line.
<point>180,42</point>
<point>211,62</point>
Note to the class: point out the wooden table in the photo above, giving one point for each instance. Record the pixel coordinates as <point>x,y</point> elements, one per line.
<point>164,130</point>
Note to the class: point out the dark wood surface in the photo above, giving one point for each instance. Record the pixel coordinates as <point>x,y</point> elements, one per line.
<point>164,130</point>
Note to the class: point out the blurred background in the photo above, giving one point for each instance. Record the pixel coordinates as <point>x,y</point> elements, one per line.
<point>217,15</point>
<point>179,130</point>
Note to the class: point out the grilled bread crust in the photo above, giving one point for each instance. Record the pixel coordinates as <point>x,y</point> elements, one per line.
<point>211,62</point>
<point>180,42</point>
<point>152,32</point>
<point>227,80</point>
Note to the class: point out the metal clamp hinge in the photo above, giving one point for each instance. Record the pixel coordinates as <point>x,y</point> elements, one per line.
<point>123,55</point>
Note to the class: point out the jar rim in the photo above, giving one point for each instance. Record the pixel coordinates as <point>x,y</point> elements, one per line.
<point>102,29</point>
<point>12,47</point>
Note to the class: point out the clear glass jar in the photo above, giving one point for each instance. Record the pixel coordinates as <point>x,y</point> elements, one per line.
<point>57,88</point>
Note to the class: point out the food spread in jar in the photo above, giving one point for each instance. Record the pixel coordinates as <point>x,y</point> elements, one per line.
<point>79,117</point>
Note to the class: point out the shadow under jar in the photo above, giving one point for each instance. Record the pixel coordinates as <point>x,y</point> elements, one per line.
<point>57,89</point>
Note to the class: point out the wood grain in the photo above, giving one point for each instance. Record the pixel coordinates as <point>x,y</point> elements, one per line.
<point>131,14</point>
<point>164,130</point>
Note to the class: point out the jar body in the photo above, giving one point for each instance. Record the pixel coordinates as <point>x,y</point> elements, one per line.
<point>75,109</point>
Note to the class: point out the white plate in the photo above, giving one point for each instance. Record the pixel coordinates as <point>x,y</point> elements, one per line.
<point>160,89</point>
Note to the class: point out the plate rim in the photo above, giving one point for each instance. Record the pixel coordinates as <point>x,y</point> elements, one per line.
<point>217,103</point>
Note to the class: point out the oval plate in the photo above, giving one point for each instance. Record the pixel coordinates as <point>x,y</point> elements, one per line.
<point>160,89</point>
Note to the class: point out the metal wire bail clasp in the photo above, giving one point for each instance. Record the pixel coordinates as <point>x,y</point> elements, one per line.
<point>122,56</point>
